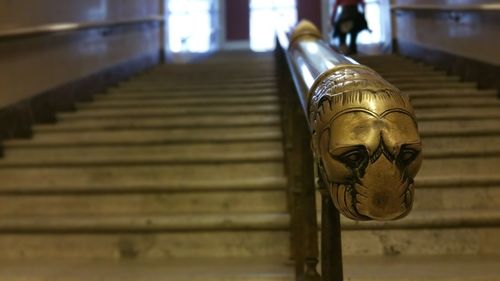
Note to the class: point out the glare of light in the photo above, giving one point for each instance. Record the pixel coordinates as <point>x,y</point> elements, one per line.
<point>265,17</point>
<point>62,26</point>
<point>306,74</point>
<point>189,24</point>
<point>311,47</point>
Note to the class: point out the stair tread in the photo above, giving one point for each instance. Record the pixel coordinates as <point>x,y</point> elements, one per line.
<point>459,113</point>
<point>459,127</point>
<point>200,101</point>
<point>134,223</point>
<point>467,166</point>
<point>422,268</point>
<point>152,136</point>
<point>196,121</point>
<point>202,153</point>
<point>112,94</point>
<point>456,102</point>
<point>457,180</point>
<point>200,86</point>
<point>450,92</point>
<point>125,158</point>
<point>427,219</point>
<point>188,269</point>
<point>163,111</point>
<point>124,182</point>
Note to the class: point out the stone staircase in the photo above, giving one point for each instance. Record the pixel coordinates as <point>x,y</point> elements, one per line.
<point>453,232</point>
<point>178,175</point>
<point>174,175</point>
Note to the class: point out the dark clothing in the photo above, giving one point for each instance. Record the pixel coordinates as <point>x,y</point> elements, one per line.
<point>350,20</point>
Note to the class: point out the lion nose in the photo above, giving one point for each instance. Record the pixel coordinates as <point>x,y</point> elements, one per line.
<point>382,194</point>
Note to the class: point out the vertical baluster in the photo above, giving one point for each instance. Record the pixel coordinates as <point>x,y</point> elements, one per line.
<point>300,170</point>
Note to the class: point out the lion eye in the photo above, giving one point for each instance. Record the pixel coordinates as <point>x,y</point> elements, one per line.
<point>354,157</point>
<point>407,155</point>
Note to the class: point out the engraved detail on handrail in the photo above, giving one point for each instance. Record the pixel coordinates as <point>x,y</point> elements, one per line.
<point>304,31</point>
<point>366,143</point>
<point>65,27</point>
<point>365,136</point>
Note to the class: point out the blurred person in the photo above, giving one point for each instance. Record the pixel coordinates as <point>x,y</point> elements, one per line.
<point>350,21</point>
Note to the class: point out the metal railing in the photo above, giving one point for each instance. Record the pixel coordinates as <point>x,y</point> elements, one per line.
<point>348,134</point>
<point>67,27</point>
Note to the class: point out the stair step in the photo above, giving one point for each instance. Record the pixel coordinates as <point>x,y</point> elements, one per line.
<point>464,113</point>
<point>458,167</point>
<point>453,146</point>
<point>461,147</point>
<point>200,101</point>
<point>467,198</point>
<point>147,204</point>
<point>168,111</point>
<point>134,246</point>
<point>150,137</point>
<point>436,85</point>
<point>466,93</point>
<point>456,102</point>
<point>137,155</point>
<point>146,177</point>
<point>396,80</point>
<point>429,232</point>
<point>146,186</point>
<point>188,269</point>
<point>432,219</point>
<point>409,73</point>
<point>208,80</point>
<point>173,122</point>
<point>431,242</point>
<point>140,158</point>
<point>134,223</point>
<point>200,86</point>
<point>422,268</point>
<point>114,94</point>
<point>457,181</point>
<point>459,128</point>
<point>406,66</point>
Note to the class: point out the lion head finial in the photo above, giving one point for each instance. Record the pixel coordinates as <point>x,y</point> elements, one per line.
<point>366,141</point>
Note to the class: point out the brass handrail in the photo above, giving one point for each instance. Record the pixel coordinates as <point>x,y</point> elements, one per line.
<point>494,7</point>
<point>364,138</point>
<point>67,27</point>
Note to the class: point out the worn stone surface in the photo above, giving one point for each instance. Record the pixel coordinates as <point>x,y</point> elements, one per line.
<point>176,176</point>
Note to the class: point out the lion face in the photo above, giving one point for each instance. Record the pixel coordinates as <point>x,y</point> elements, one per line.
<point>366,143</point>
<point>369,162</point>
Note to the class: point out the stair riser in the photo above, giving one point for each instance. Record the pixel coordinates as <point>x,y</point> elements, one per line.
<point>123,152</point>
<point>460,167</point>
<point>461,241</point>
<point>118,246</point>
<point>144,204</point>
<point>249,120</point>
<point>457,198</point>
<point>145,176</point>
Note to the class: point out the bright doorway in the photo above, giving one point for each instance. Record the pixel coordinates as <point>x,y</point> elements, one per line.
<point>192,25</point>
<point>265,16</point>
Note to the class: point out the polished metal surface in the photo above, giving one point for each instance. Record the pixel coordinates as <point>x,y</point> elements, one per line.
<point>365,136</point>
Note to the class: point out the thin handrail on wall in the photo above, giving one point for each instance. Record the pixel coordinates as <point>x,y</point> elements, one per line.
<point>67,27</point>
<point>494,7</point>
<point>350,135</point>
